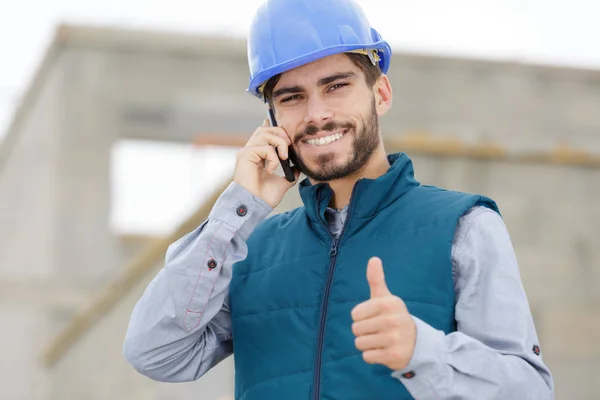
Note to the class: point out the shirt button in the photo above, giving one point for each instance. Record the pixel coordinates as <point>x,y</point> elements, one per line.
<point>536,350</point>
<point>212,263</point>
<point>409,375</point>
<point>242,210</point>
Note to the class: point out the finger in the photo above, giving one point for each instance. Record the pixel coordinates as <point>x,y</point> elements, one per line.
<point>263,134</point>
<point>282,152</point>
<point>266,122</point>
<point>265,156</point>
<point>369,309</point>
<point>376,356</point>
<point>271,138</point>
<point>380,340</point>
<point>376,278</point>
<point>375,325</point>
<point>281,132</point>
<point>277,130</point>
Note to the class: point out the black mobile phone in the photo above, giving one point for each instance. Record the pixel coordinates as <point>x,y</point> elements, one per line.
<point>285,164</point>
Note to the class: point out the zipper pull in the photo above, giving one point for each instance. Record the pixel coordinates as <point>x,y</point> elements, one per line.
<point>333,248</point>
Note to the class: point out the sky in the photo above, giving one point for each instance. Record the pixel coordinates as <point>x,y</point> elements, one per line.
<point>557,32</point>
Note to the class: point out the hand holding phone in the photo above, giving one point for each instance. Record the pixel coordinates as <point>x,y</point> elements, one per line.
<point>258,160</point>
<point>285,164</point>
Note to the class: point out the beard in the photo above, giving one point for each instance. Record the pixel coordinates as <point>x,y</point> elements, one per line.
<point>365,143</point>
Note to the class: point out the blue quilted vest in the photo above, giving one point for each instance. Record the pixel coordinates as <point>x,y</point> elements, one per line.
<point>291,297</point>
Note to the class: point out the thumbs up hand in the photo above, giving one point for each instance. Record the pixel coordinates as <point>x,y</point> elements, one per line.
<point>384,330</point>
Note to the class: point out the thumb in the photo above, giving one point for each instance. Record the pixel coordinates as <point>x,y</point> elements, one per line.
<point>376,278</point>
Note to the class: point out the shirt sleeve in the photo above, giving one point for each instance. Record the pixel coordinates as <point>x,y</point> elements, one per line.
<point>181,326</point>
<point>495,353</point>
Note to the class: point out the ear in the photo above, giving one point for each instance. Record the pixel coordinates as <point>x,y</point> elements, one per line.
<point>383,95</point>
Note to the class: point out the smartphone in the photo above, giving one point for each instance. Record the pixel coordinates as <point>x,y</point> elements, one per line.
<point>285,164</point>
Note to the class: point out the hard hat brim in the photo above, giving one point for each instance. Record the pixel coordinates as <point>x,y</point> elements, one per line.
<point>383,48</point>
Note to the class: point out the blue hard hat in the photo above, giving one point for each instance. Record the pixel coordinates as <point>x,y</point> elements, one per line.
<point>286,34</point>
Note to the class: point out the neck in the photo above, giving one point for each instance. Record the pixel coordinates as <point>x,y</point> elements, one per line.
<point>377,166</point>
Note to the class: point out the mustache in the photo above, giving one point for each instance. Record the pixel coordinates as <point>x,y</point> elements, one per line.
<point>330,126</point>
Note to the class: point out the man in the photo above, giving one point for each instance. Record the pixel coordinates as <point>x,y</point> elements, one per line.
<point>378,287</point>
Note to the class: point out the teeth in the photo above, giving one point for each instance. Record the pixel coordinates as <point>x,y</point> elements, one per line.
<point>325,140</point>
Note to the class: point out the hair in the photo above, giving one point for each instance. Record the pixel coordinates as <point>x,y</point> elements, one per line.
<point>371,72</point>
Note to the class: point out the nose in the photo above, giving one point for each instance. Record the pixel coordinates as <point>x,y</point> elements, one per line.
<point>317,111</point>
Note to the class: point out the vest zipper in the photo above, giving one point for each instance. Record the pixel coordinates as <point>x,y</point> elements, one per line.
<point>333,251</point>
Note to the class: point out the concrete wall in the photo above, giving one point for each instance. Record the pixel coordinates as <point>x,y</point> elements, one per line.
<point>57,248</point>
<point>29,293</point>
<point>519,106</point>
<point>94,368</point>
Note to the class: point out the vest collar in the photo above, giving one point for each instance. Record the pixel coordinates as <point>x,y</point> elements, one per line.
<point>369,195</point>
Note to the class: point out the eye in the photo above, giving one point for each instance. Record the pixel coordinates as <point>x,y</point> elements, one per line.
<point>336,86</point>
<point>290,98</point>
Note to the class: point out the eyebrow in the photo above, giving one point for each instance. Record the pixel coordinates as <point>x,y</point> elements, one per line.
<point>287,90</point>
<point>321,82</point>
<point>330,79</point>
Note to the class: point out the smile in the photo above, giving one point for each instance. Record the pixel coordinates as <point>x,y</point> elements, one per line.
<point>327,139</point>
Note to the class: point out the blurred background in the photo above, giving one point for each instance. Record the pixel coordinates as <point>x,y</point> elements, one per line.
<point>119,122</point>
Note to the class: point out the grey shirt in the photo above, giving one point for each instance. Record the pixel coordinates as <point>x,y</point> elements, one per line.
<point>181,327</point>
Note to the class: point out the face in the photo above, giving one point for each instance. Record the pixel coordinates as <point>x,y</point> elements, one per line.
<point>331,116</point>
